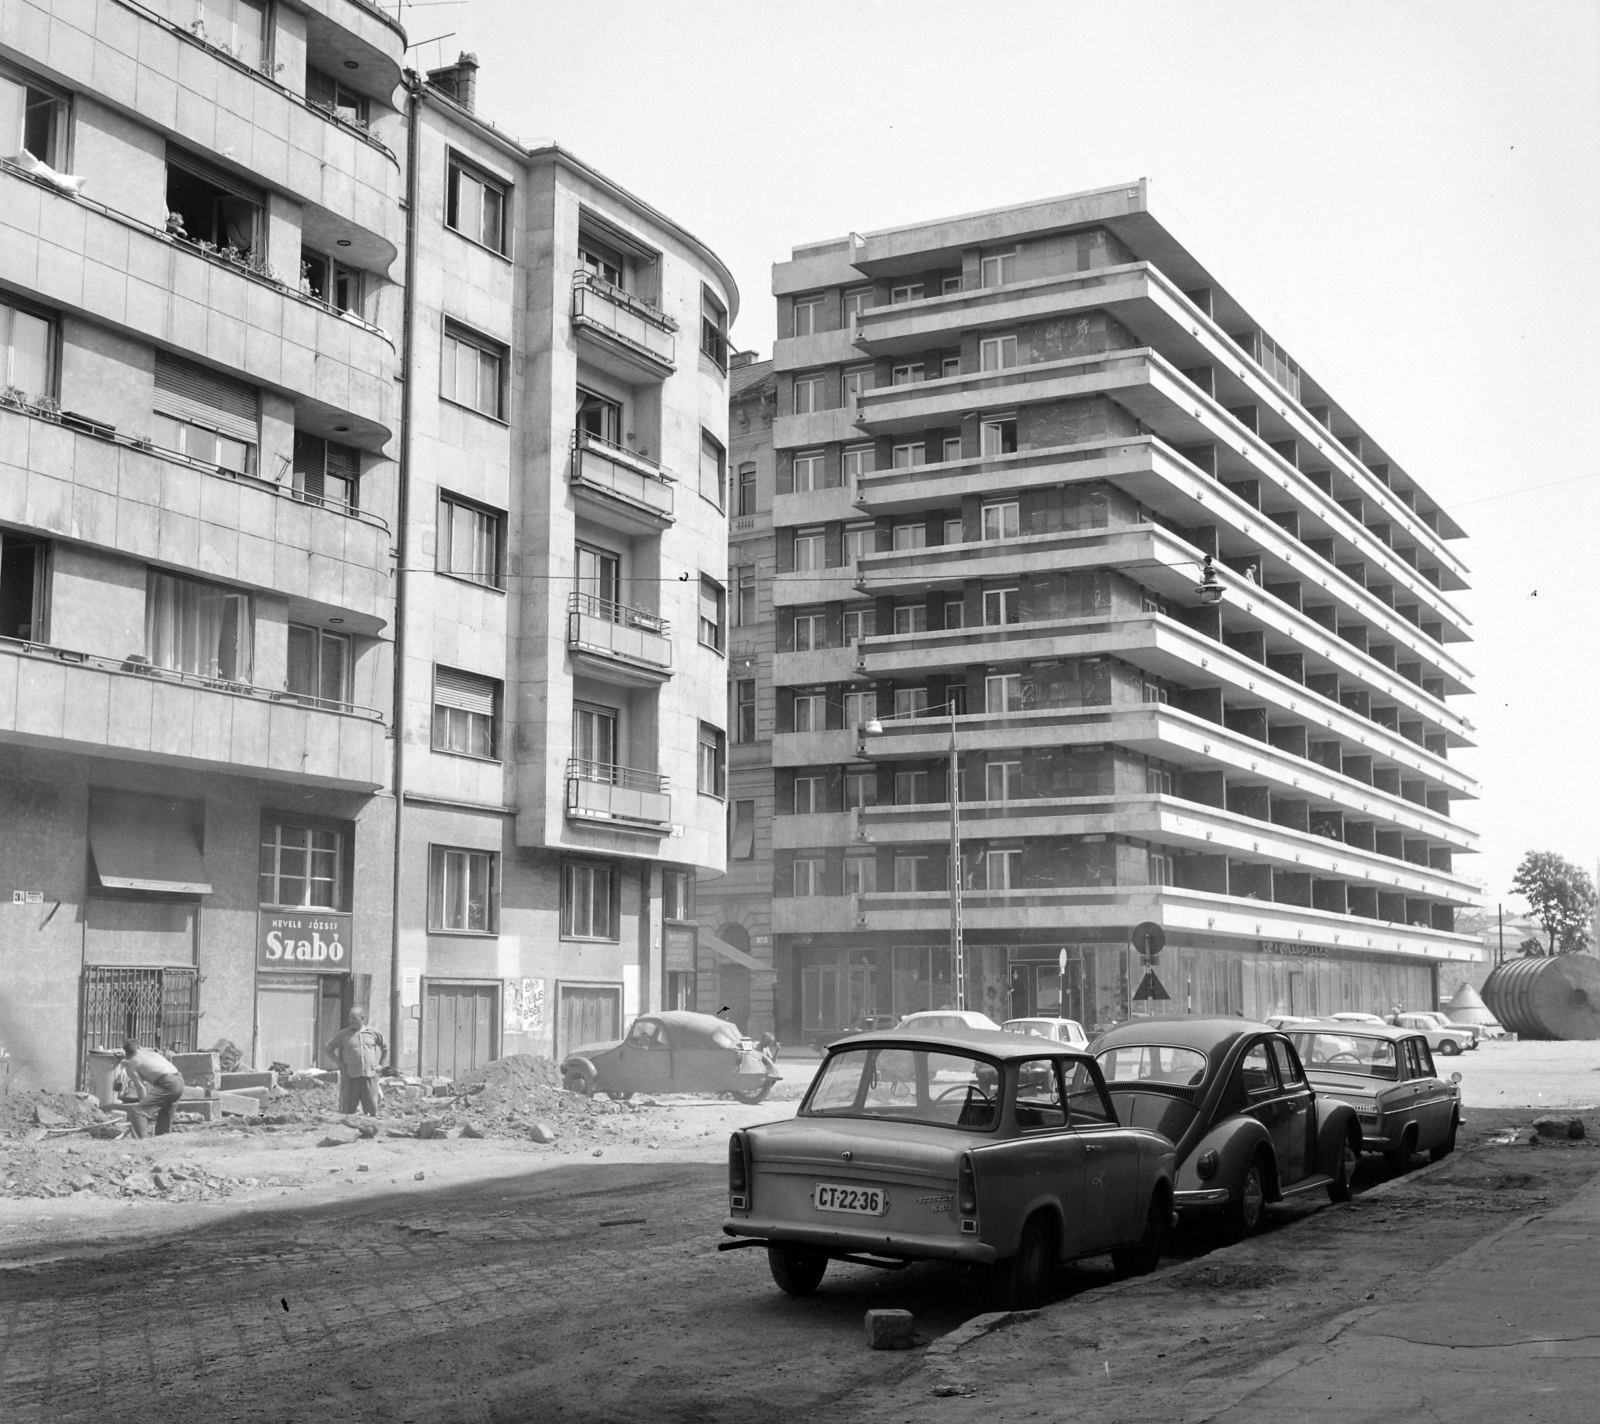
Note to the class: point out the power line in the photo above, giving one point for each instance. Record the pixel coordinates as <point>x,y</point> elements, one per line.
<point>1525,489</point>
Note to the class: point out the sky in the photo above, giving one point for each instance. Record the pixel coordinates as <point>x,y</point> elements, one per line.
<point>1406,196</point>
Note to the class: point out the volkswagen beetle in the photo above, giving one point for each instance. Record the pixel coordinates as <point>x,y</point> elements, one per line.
<point>672,1052</point>
<point>960,1145</point>
<point>1232,1095</point>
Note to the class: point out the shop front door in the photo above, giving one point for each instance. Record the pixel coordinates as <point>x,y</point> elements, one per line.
<point>458,1024</point>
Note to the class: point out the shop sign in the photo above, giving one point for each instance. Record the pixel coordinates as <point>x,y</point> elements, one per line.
<point>680,951</point>
<point>306,940</point>
<point>1301,951</point>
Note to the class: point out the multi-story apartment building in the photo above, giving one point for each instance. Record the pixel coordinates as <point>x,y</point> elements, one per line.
<point>565,596</point>
<point>199,222</point>
<point>1007,444</point>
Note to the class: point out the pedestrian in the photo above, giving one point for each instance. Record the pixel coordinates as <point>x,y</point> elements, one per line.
<point>359,1052</point>
<point>158,1083</point>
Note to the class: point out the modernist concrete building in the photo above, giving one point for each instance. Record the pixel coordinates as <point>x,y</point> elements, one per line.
<point>199,223</point>
<point>1006,444</point>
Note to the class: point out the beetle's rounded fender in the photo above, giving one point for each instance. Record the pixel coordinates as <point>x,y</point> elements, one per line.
<point>1235,1141</point>
<point>1335,1122</point>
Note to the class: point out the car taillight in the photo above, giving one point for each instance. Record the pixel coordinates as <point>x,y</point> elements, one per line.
<point>966,1187</point>
<point>738,1173</point>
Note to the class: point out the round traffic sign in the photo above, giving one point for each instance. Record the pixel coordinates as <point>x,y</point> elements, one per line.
<point>1148,938</point>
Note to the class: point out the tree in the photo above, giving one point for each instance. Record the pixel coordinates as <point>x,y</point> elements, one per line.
<point>1560,896</point>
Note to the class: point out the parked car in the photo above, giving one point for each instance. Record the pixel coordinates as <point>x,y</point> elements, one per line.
<point>1358,1018</point>
<point>672,1052</point>
<point>1387,1075</point>
<point>1233,1097</point>
<point>969,1146</point>
<point>940,1020</point>
<point>1067,1031</point>
<point>1443,1036</point>
<point>872,1023</point>
<point>1288,1021</point>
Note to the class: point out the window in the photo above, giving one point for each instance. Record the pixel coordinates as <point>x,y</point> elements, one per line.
<point>859,460</point>
<point>744,710</point>
<point>910,788</point>
<point>588,900</point>
<point>302,867</point>
<point>810,712</point>
<point>908,375</point>
<point>911,618</point>
<point>996,353</point>
<point>713,761</point>
<point>808,471</point>
<point>599,417</point>
<point>807,313</point>
<point>475,205</point>
<point>951,450</point>
<point>909,292</point>
<point>859,623</point>
<point>947,285</point>
<point>808,878</point>
<point>857,379</point>
<point>468,543</point>
<point>905,457</point>
<point>910,536</point>
<point>910,702</point>
<point>1157,781</point>
<point>332,283</point>
<point>1002,781</point>
<point>860,789</point>
<point>859,539</point>
<point>27,344</point>
<point>326,472</point>
<point>1002,692</point>
<point>1001,605</point>
<point>949,366</point>
<point>205,416</point>
<point>860,874</point>
<point>1000,521</point>
<point>856,301</point>
<point>998,269</point>
<point>677,895</point>
<point>319,666</point>
<point>206,205</point>
<point>599,580</point>
<point>955,612</point>
<point>809,795</point>
<point>713,471</point>
<point>472,371</point>
<point>810,632</point>
<point>810,550</point>
<point>339,99</point>
<point>859,709</point>
<point>594,741</point>
<point>954,531</point>
<point>465,712</point>
<point>713,329</point>
<point>33,119</point>
<point>1255,1072</point>
<point>1039,1103</point>
<point>1160,868</point>
<point>747,488</point>
<point>462,890</point>
<point>198,628</point>
<point>23,581</point>
<point>1153,692</point>
<point>808,395</point>
<point>997,437</point>
<point>713,604</point>
<point>910,873</point>
<point>599,260</point>
<point>745,611</point>
<point>1003,869</point>
<point>237,26</point>
<point>742,843</point>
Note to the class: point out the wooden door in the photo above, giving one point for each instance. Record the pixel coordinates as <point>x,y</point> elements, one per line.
<point>589,1013</point>
<point>458,1028</point>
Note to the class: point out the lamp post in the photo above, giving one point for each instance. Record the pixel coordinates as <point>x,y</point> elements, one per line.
<point>958,967</point>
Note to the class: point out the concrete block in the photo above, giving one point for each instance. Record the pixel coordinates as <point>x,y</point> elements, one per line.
<point>542,1132</point>
<point>340,1137</point>
<point>239,1105</point>
<point>1559,1126</point>
<point>890,1329</point>
<point>195,1066</point>
<point>229,1082</point>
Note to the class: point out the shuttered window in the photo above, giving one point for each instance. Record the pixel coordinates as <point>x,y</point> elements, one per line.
<point>326,472</point>
<point>205,415</point>
<point>713,471</point>
<point>465,708</point>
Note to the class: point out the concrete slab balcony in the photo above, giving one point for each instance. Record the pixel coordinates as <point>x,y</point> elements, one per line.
<point>618,795</point>
<point>622,484</point>
<point>617,643</point>
<point>620,332</point>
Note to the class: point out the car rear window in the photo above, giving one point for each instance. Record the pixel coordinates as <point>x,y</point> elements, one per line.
<point>1347,1053</point>
<point>1153,1063</point>
<point>934,1086</point>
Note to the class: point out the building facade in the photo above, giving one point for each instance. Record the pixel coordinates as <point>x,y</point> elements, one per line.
<point>1006,447</point>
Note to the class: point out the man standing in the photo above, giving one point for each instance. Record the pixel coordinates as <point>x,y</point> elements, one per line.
<point>359,1052</point>
<point>160,1087</point>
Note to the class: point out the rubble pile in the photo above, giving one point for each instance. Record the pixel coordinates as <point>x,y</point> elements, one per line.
<point>104,1172</point>
<point>37,1114</point>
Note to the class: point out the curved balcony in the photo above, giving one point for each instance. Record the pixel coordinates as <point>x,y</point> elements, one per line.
<point>621,485</point>
<point>618,796</point>
<point>622,333</point>
<point>97,706</point>
<point>618,644</point>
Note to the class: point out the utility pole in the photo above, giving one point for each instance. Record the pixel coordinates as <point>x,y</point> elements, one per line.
<point>1500,955</point>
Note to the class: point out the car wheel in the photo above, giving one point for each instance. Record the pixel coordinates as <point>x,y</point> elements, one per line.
<point>1449,1047</point>
<point>796,1270</point>
<point>1144,1255</point>
<point>753,1095</point>
<point>1445,1148</point>
<point>1400,1158</point>
<point>1243,1213</point>
<point>617,1096</point>
<point>1020,1280</point>
<point>1340,1188</point>
<point>577,1081</point>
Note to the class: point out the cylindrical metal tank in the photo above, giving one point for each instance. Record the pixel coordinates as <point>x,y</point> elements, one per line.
<point>1556,996</point>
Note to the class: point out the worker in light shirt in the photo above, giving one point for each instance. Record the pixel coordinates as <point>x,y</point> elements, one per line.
<point>360,1053</point>
<point>158,1084</point>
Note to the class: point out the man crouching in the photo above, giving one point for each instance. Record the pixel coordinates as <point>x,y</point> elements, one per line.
<point>158,1083</point>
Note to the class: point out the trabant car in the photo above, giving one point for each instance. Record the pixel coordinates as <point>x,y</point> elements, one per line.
<point>672,1052</point>
<point>1442,1035</point>
<point>1387,1075</point>
<point>979,1147</point>
<point>1067,1031</point>
<point>1248,1127</point>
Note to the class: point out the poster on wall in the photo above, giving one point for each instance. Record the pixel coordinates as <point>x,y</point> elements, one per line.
<point>524,1005</point>
<point>304,941</point>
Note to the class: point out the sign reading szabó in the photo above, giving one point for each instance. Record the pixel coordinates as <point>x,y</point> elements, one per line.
<point>315,941</point>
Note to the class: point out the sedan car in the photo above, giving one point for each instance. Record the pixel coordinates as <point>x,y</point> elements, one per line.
<point>938,1020</point>
<point>672,1052</point>
<point>1443,1036</point>
<point>1068,1031</point>
<point>1249,1129</point>
<point>966,1146</point>
<point>872,1023</point>
<point>1387,1076</point>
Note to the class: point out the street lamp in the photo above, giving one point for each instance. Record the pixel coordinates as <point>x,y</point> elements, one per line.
<point>958,968</point>
<point>1209,590</point>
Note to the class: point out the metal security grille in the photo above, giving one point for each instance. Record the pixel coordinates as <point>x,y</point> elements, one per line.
<point>158,1007</point>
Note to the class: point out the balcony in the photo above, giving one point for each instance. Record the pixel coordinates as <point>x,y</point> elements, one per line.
<point>621,333</point>
<point>622,485</point>
<point>81,703</point>
<point>617,643</point>
<point>602,793</point>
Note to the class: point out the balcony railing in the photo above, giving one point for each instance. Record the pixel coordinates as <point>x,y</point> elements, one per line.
<point>601,628</point>
<point>645,331</point>
<point>605,792</point>
<point>622,474</point>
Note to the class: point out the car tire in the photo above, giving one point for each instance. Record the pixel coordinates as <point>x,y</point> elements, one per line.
<point>1400,1157</point>
<point>1020,1280</point>
<point>1445,1148</point>
<point>1449,1047</point>
<point>1140,1257</point>
<point>1342,1187</point>
<point>755,1095</point>
<point>617,1096</point>
<point>577,1081</point>
<point>797,1271</point>
<point>1243,1214</point>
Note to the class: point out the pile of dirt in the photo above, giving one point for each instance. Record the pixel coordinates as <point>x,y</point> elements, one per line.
<point>517,1072</point>
<point>105,1172</point>
<point>32,1114</point>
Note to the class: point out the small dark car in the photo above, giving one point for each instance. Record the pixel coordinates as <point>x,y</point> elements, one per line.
<point>672,1052</point>
<point>1233,1097</point>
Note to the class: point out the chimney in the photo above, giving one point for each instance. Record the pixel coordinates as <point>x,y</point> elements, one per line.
<point>741,358</point>
<point>458,80</point>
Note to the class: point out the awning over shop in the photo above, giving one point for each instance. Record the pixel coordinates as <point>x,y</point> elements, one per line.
<point>737,956</point>
<point>146,843</point>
